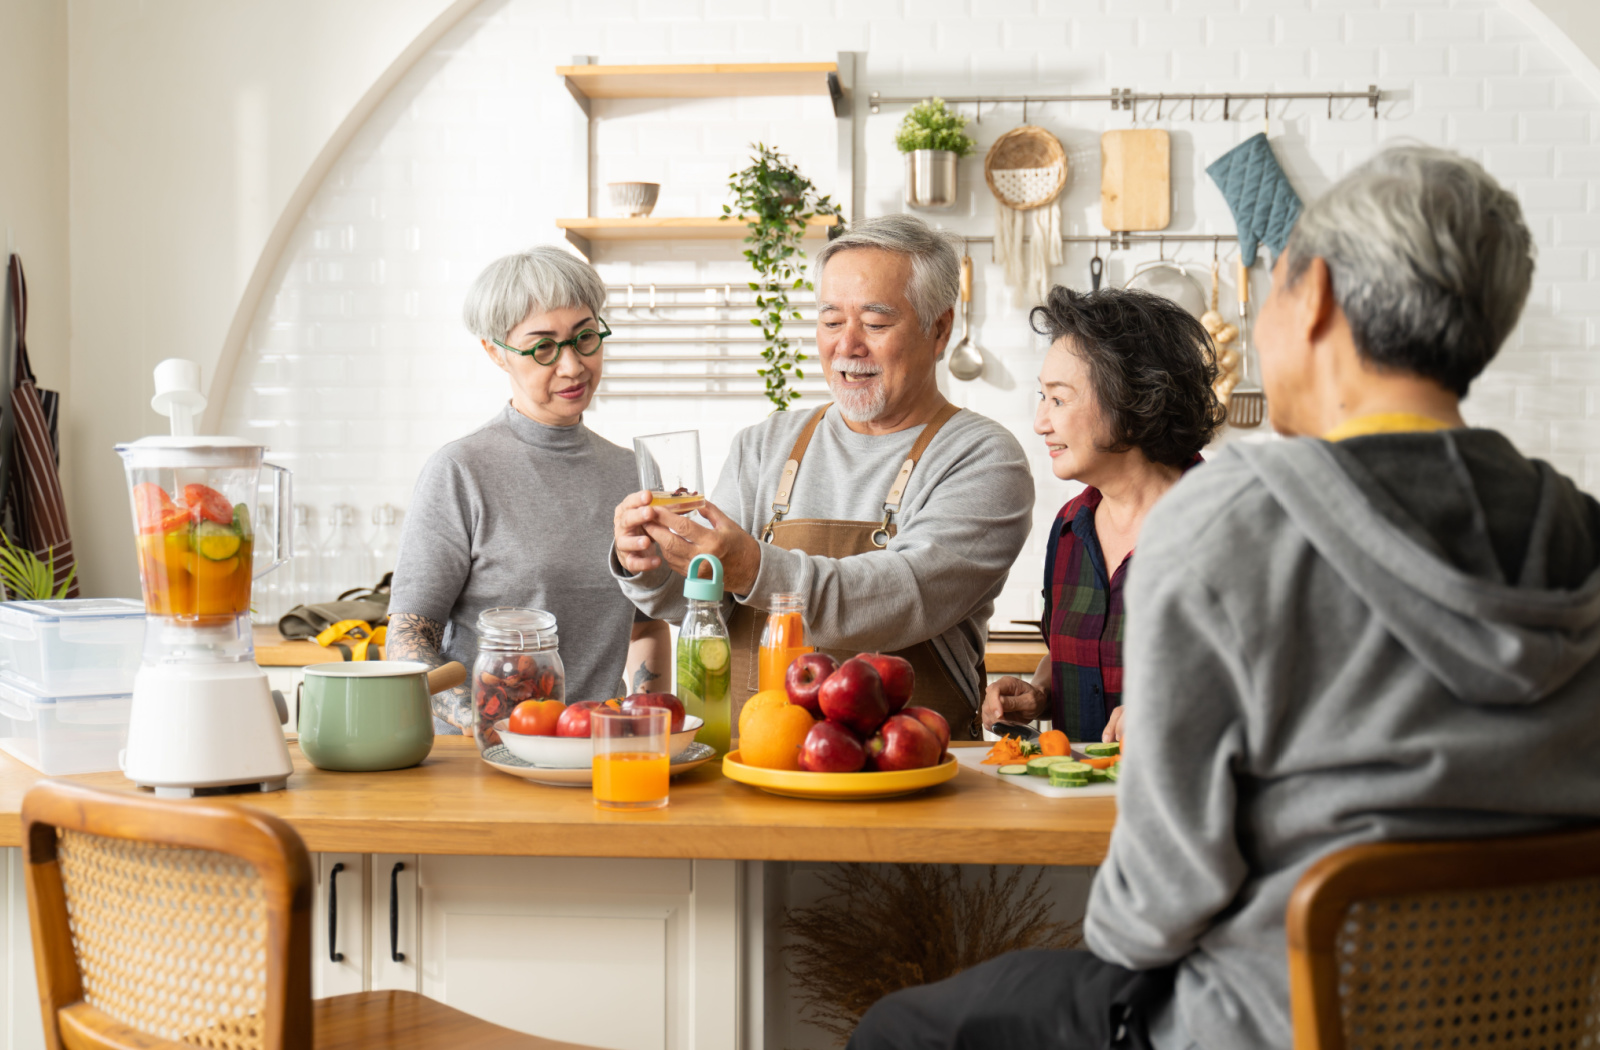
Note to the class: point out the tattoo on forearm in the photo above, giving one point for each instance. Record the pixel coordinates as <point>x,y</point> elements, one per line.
<point>413,637</point>
<point>643,676</point>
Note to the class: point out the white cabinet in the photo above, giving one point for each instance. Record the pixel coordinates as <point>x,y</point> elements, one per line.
<point>341,896</point>
<point>21,1027</point>
<point>623,954</point>
<point>392,943</point>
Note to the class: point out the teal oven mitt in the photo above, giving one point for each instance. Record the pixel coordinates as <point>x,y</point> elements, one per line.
<point>1264,205</point>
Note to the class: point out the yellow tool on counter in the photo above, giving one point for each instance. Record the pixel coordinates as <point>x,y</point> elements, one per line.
<point>357,638</point>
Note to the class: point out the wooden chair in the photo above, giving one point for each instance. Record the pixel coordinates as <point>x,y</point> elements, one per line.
<point>166,924</point>
<point>1487,943</point>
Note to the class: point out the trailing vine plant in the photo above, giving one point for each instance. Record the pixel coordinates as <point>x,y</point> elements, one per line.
<point>776,202</point>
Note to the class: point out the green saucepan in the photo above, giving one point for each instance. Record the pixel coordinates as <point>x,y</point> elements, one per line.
<point>369,715</point>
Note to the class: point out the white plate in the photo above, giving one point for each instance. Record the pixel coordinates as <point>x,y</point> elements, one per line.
<point>972,758</point>
<point>499,757</point>
<point>577,752</point>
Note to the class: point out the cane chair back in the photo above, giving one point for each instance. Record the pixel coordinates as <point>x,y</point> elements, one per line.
<point>166,924</point>
<point>1491,943</point>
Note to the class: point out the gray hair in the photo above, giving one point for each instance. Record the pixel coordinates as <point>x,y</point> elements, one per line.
<point>935,260</point>
<point>534,281</point>
<point>1429,258</point>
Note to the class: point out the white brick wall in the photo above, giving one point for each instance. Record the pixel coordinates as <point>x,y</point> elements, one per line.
<point>358,367</point>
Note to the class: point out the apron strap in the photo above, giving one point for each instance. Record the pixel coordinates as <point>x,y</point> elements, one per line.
<point>780,499</point>
<point>891,503</point>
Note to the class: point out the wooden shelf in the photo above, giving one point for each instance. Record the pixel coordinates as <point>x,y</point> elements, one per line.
<point>707,81</point>
<point>581,232</point>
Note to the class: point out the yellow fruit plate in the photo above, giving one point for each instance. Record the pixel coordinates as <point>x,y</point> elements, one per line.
<point>837,786</point>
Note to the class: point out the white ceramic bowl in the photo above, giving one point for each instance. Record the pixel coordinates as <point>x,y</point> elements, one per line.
<point>634,199</point>
<point>576,752</point>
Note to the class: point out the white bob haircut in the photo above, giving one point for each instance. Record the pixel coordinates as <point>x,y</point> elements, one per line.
<point>935,260</point>
<point>534,281</point>
<point>1429,257</point>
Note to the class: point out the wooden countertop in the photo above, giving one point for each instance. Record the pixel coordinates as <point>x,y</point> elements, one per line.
<point>454,804</point>
<point>272,650</point>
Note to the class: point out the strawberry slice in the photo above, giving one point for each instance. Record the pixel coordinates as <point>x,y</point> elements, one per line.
<point>207,504</point>
<point>154,509</point>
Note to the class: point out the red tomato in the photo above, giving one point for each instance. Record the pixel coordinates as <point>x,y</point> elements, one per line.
<point>208,504</point>
<point>536,717</point>
<point>574,721</point>
<point>154,509</point>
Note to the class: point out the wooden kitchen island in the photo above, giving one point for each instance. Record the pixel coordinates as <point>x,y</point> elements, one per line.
<point>503,884</point>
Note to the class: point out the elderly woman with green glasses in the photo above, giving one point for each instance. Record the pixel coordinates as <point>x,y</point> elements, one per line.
<point>518,513</point>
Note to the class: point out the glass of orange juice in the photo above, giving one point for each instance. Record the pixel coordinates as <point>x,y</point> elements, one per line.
<point>783,639</point>
<point>669,466</point>
<point>631,762</point>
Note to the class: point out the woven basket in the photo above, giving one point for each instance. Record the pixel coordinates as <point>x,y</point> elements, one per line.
<point>1026,167</point>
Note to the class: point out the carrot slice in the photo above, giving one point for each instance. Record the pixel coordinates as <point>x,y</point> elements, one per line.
<point>1054,742</point>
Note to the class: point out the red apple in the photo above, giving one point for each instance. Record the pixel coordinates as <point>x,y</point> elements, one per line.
<point>641,701</point>
<point>904,743</point>
<point>897,676</point>
<point>853,695</point>
<point>934,721</point>
<point>574,721</point>
<point>805,677</point>
<point>831,748</point>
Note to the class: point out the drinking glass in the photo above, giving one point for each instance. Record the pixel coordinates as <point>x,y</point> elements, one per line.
<point>669,466</point>
<point>631,761</point>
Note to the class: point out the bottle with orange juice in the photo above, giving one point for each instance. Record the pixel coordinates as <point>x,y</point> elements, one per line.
<point>783,639</point>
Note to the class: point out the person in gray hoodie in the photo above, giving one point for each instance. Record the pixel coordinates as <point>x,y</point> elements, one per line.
<point>1386,628</point>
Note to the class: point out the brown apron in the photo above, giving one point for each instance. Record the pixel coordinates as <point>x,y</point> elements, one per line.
<point>843,539</point>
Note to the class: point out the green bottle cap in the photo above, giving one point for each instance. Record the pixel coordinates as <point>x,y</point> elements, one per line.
<point>700,590</point>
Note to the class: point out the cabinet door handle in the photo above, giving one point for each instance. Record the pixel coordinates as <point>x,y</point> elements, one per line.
<point>394,912</point>
<point>333,912</point>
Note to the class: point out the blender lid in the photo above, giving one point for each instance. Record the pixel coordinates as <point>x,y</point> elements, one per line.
<point>158,441</point>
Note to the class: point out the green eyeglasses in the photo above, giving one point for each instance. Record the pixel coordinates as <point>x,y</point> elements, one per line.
<point>547,351</point>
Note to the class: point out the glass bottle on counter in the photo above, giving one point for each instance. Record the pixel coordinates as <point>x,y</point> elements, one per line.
<point>518,659</point>
<point>783,639</point>
<point>384,544</point>
<point>300,586</point>
<point>704,657</point>
<point>346,563</point>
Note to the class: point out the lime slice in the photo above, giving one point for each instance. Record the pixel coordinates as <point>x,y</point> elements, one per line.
<point>714,654</point>
<point>215,542</point>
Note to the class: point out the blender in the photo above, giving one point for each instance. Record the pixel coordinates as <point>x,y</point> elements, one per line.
<point>204,719</point>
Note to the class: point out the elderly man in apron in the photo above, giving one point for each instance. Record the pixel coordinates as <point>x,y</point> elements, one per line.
<point>896,515</point>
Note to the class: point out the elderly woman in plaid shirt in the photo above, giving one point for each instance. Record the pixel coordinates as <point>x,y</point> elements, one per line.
<point>1125,406</point>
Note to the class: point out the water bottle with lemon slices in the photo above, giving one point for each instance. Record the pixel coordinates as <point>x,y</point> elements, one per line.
<point>705,655</point>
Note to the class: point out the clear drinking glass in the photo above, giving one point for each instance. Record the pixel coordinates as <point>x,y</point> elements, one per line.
<point>631,761</point>
<point>669,466</point>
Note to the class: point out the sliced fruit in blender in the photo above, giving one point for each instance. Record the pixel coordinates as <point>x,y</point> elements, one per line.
<point>154,509</point>
<point>216,542</point>
<point>207,504</point>
<point>241,520</point>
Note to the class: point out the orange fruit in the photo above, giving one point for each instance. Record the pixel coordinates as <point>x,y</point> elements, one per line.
<point>772,735</point>
<point>767,699</point>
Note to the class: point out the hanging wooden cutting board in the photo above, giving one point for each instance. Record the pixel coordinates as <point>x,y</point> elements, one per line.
<point>1135,180</point>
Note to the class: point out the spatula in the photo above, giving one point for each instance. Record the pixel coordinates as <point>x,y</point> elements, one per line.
<point>1248,406</point>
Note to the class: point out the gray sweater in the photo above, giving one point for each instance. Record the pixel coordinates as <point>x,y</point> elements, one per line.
<point>519,513</point>
<point>1389,638</point>
<point>964,518</point>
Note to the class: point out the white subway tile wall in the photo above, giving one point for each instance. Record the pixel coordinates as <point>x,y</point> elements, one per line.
<point>358,366</point>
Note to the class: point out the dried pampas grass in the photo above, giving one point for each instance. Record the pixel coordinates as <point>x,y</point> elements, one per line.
<point>881,928</point>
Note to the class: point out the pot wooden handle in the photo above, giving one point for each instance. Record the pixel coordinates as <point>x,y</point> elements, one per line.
<point>449,676</point>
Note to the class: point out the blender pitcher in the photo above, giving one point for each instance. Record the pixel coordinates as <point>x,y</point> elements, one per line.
<point>203,715</point>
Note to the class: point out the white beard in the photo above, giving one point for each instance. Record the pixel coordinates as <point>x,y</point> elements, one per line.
<point>858,404</point>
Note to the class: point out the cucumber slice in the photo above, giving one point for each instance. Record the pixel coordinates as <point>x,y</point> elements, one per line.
<point>1040,767</point>
<point>1097,776</point>
<point>1113,774</point>
<point>1102,750</point>
<point>1069,768</point>
<point>241,520</point>
<point>1013,770</point>
<point>216,542</point>
<point>714,654</point>
<point>1071,780</point>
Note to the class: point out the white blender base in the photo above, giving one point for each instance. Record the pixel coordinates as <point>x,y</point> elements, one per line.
<point>204,726</point>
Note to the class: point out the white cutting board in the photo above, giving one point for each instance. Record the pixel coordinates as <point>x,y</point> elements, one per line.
<point>972,758</point>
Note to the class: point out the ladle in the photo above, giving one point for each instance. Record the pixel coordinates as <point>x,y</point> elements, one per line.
<point>966,360</point>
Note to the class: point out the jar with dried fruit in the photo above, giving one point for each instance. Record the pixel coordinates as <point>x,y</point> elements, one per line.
<point>517,660</point>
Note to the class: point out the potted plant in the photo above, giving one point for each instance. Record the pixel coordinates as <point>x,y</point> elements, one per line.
<point>776,202</point>
<point>931,138</point>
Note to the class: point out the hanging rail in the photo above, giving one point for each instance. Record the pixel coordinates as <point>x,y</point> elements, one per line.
<point>1129,99</point>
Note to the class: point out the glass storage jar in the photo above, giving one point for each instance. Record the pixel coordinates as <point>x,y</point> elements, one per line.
<point>517,660</point>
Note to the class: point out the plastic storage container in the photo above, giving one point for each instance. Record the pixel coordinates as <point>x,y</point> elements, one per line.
<point>79,647</point>
<point>58,735</point>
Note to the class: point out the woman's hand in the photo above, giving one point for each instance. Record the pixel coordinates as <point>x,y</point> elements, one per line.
<point>1013,700</point>
<point>1113,730</point>
<point>635,549</point>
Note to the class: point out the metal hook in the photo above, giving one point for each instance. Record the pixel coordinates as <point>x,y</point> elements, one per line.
<point>1330,105</point>
<point>1266,114</point>
<point>1161,249</point>
<point>1227,101</point>
<point>1191,107</point>
<point>1216,243</point>
<point>1024,109</point>
<point>1161,98</point>
<point>977,110</point>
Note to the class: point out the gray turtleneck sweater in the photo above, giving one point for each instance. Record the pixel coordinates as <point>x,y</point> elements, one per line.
<point>519,513</point>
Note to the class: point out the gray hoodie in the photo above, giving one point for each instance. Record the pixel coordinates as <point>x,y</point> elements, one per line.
<point>1389,638</point>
